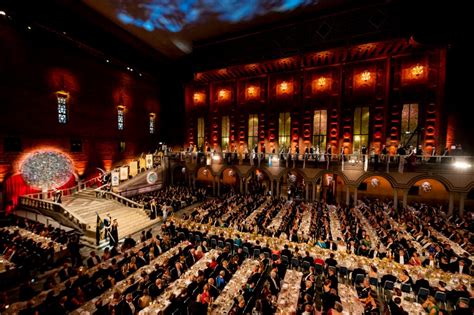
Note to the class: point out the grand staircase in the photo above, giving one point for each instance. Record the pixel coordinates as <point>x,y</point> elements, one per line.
<point>85,205</point>
<point>79,210</point>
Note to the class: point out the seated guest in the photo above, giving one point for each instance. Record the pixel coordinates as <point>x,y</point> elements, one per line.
<point>274,283</point>
<point>430,306</point>
<point>395,306</point>
<point>93,260</point>
<point>127,307</point>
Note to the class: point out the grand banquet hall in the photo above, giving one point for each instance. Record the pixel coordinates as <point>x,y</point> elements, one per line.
<point>297,157</point>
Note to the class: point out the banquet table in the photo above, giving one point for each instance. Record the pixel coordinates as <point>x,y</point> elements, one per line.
<point>59,249</point>
<point>349,300</point>
<point>458,250</point>
<point>123,285</point>
<point>351,261</point>
<point>224,302</point>
<point>335,224</point>
<point>276,222</point>
<point>374,239</point>
<point>177,288</point>
<point>5,265</point>
<point>38,299</point>
<point>305,224</point>
<point>255,213</point>
<point>287,302</point>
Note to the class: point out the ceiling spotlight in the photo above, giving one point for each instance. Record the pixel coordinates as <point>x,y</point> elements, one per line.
<point>3,13</point>
<point>107,60</point>
<point>140,74</point>
<point>64,33</point>
<point>131,69</point>
<point>128,68</point>
<point>29,28</point>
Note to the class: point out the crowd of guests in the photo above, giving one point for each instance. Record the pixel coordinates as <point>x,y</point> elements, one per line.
<point>170,197</point>
<point>31,255</point>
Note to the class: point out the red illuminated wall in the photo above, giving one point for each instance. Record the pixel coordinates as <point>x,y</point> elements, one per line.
<point>338,83</point>
<point>34,69</point>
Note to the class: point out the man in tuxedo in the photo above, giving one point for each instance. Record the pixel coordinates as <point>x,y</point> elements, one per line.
<point>274,283</point>
<point>460,267</point>
<point>395,306</point>
<point>421,283</point>
<point>401,257</point>
<point>285,251</point>
<point>127,307</point>
<point>93,260</point>
<point>66,272</point>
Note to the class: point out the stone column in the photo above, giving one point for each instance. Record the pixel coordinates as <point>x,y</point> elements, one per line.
<point>271,188</point>
<point>355,196</point>
<point>451,203</point>
<point>405,197</point>
<point>213,186</point>
<point>218,186</point>
<point>313,185</point>
<point>241,185</point>
<point>246,186</point>
<point>348,195</point>
<point>395,198</point>
<point>462,197</point>
<point>278,189</point>
<point>307,191</point>
<point>318,192</point>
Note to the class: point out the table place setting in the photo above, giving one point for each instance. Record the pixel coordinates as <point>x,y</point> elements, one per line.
<point>287,302</point>
<point>122,286</point>
<point>224,302</point>
<point>176,288</point>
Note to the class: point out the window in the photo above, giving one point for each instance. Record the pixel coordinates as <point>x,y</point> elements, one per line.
<point>121,147</point>
<point>409,123</point>
<point>62,108</point>
<point>152,123</point>
<point>361,128</point>
<point>225,132</point>
<point>120,118</point>
<point>320,121</point>
<point>284,129</point>
<point>76,145</point>
<point>200,131</point>
<point>253,131</point>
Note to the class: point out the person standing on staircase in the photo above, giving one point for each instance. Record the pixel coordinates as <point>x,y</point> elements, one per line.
<point>114,233</point>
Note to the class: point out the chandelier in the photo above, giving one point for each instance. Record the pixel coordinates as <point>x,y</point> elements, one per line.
<point>417,70</point>
<point>365,76</point>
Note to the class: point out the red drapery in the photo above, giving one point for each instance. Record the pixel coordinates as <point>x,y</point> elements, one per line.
<point>15,187</point>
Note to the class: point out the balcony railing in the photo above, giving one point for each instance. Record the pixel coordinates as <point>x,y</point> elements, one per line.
<point>377,163</point>
<point>54,209</point>
<point>67,191</point>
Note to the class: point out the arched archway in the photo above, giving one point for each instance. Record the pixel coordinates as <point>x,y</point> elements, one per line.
<point>205,179</point>
<point>428,190</point>
<point>376,186</point>
<point>331,186</point>
<point>257,181</point>
<point>229,179</point>
<point>179,175</point>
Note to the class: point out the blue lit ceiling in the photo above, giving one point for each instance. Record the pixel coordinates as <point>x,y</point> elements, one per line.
<point>172,25</point>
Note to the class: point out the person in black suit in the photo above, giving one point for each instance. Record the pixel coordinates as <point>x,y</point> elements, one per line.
<point>395,306</point>
<point>274,282</point>
<point>66,272</point>
<point>460,267</point>
<point>93,260</point>
<point>330,262</point>
<point>286,252</point>
<point>127,307</point>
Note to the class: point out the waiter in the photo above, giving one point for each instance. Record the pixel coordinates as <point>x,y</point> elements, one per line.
<point>107,225</point>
